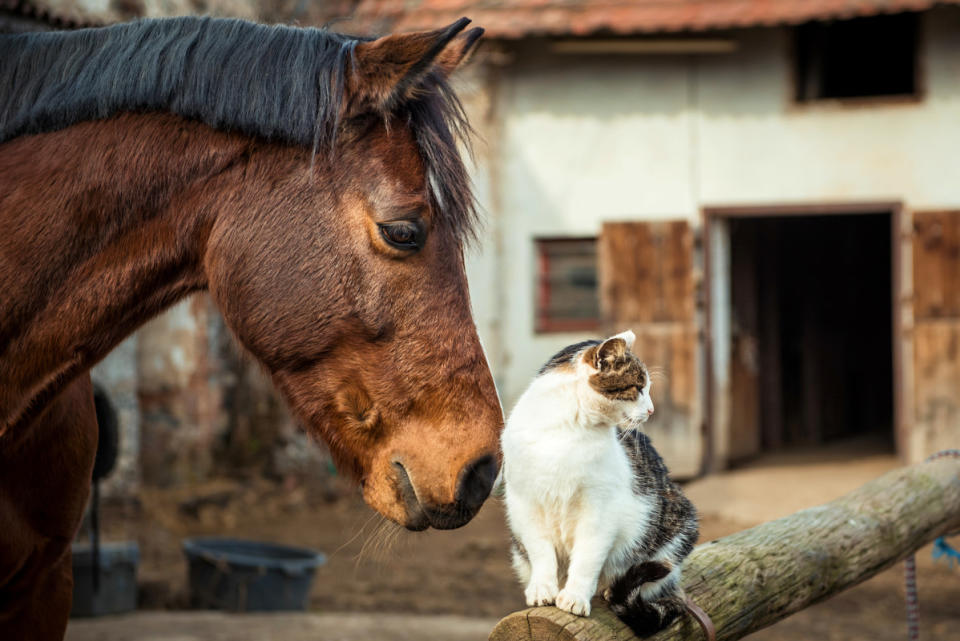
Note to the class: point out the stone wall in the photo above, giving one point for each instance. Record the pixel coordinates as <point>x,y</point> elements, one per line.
<point>193,406</point>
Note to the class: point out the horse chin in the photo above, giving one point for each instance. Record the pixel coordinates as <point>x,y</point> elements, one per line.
<point>417,522</point>
<point>396,499</point>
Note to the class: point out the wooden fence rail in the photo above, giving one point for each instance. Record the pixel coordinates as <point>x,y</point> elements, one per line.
<point>757,577</point>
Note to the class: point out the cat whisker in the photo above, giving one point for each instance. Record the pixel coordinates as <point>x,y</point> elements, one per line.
<point>658,374</point>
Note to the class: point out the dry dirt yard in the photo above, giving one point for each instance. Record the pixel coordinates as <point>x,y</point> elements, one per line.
<point>381,582</point>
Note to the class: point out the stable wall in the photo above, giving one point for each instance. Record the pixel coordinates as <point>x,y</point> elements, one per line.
<point>572,141</point>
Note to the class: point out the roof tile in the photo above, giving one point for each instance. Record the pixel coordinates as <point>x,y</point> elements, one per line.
<point>519,18</point>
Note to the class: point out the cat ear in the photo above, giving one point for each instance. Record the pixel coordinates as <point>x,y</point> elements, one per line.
<point>629,338</point>
<point>607,351</point>
<point>611,349</point>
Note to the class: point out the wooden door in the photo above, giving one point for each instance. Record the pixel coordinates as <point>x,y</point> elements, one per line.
<point>647,284</point>
<point>936,336</point>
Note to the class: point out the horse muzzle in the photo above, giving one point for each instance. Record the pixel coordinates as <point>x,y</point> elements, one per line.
<point>474,483</point>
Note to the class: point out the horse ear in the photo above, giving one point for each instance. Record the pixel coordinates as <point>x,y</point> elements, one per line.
<point>389,69</point>
<point>458,50</point>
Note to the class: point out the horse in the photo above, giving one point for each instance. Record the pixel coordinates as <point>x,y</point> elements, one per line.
<point>312,183</point>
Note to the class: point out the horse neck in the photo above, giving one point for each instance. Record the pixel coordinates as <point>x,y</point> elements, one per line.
<point>105,225</point>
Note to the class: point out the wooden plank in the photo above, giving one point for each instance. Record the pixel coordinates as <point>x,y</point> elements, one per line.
<point>646,272</point>
<point>937,387</point>
<point>752,579</point>
<point>936,264</point>
<point>670,351</point>
<point>646,284</point>
<point>936,333</point>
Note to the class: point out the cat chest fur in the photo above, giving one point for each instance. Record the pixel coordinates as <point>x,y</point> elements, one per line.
<point>564,476</point>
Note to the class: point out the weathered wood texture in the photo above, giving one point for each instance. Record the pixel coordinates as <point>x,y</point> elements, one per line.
<point>936,264</point>
<point>647,284</point>
<point>646,272</point>
<point>936,332</point>
<point>757,577</point>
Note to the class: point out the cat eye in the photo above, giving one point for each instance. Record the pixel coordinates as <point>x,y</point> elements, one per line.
<point>406,235</point>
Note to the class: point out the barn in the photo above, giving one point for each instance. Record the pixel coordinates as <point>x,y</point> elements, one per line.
<point>767,193</point>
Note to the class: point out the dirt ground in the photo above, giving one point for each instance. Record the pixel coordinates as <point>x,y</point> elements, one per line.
<point>397,577</point>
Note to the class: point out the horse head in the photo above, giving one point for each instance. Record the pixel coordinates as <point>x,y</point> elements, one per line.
<point>341,269</point>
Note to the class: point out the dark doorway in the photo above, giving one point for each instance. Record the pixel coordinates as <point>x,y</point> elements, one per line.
<point>811,312</point>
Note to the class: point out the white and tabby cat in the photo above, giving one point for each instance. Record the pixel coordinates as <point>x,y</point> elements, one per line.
<point>589,501</point>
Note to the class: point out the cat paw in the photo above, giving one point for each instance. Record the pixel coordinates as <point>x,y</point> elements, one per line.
<point>573,603</point>
<point>541,593</point>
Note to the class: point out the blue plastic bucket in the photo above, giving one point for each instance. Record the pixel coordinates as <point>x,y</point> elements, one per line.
<point>249,576</point>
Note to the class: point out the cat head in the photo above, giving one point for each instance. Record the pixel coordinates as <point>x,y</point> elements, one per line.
<point>617,376</point>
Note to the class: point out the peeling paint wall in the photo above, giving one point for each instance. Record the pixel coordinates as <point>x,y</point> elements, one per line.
<point>193,406</point>
<point>579,140</point>
<point>180,387</point>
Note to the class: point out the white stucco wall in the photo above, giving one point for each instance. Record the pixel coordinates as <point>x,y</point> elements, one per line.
<point>576,140</point>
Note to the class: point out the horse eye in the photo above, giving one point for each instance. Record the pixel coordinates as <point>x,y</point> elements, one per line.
<point>403,234</point>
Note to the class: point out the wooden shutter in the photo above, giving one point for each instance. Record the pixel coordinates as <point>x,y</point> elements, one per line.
<point>936,335</point>
<point>647,284</point>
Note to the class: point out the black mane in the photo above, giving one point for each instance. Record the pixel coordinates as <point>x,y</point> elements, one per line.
<point>274,82</point>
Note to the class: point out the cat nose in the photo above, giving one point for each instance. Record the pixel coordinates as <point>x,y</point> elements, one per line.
<point>650,411</point>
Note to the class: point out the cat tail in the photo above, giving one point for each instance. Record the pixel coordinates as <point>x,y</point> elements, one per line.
<point>648,597</point>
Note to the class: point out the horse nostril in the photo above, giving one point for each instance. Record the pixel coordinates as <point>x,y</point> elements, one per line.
<point>476,480</point>
<point>416,518</point>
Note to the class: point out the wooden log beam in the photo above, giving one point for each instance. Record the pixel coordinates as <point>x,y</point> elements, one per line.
<point>757,577</point>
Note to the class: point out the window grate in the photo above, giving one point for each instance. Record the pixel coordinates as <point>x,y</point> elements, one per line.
<point>567,285</point>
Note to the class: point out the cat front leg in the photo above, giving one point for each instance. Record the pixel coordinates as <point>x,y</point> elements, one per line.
<point>542,588</point>
<point>590,551</point>
<point>534,555</point>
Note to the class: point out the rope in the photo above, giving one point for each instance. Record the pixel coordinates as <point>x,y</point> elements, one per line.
<point>913,610</point>
<point>942,548</point>
<point>910,569</point>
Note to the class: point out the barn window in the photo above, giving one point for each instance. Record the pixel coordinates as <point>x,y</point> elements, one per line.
<point>861,58</point>
<point>567,285</point>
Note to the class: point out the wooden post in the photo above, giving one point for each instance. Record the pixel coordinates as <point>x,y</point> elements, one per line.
<point>757,577</point>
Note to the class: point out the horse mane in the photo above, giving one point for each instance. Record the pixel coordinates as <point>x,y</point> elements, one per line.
<point>276,82</point>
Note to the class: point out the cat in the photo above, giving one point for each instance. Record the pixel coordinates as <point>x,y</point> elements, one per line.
<point>589,501</point>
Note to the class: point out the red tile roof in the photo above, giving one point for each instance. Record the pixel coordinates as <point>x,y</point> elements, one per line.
<point>518,18</point>
<point>49,14</point>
